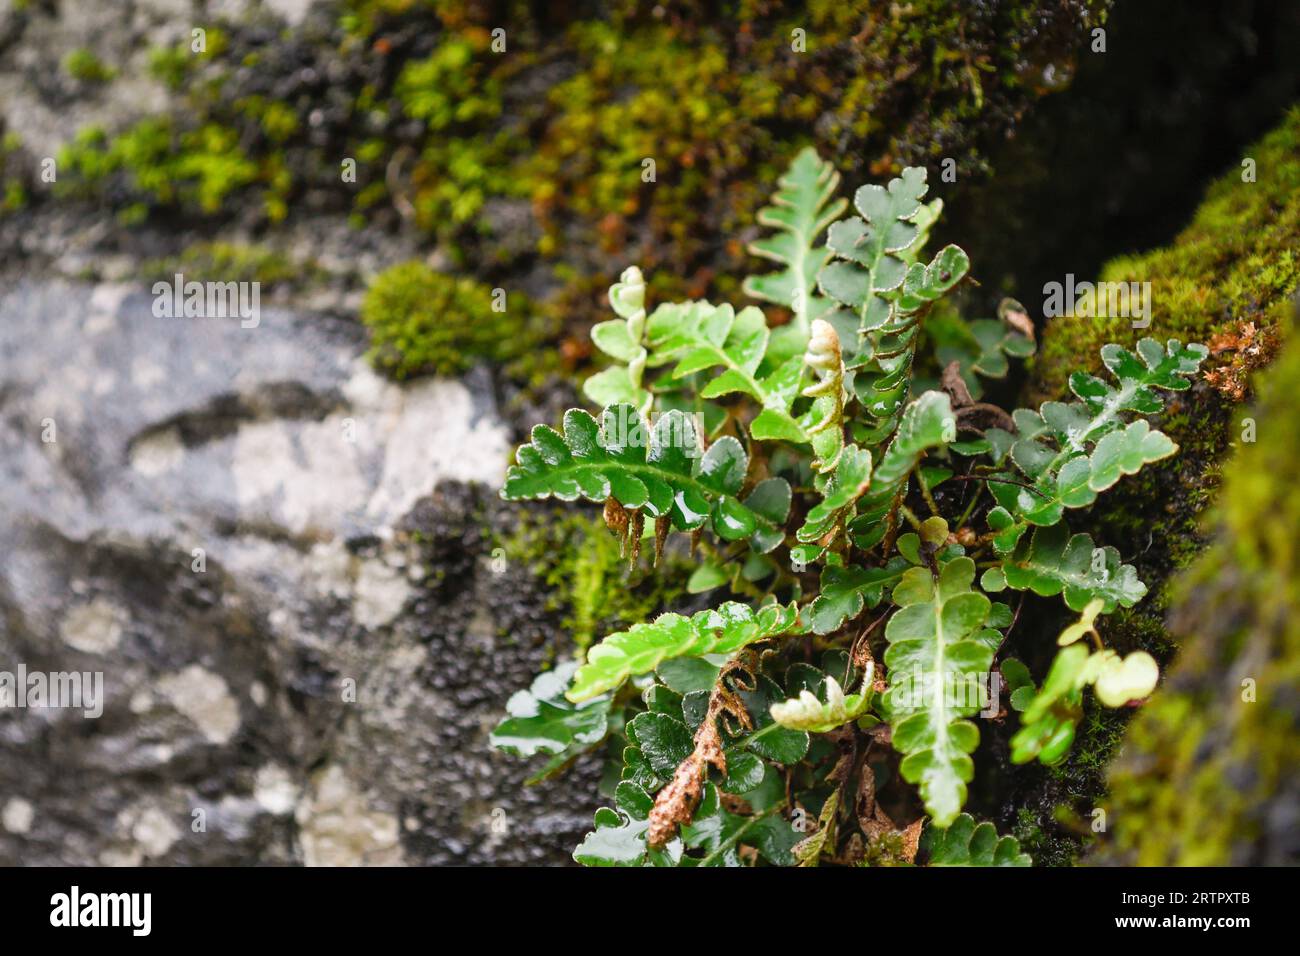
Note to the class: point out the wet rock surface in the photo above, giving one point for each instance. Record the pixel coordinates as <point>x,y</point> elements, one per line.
<point>280,563</point>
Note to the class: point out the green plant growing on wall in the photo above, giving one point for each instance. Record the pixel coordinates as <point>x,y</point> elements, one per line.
<point>823,483</point>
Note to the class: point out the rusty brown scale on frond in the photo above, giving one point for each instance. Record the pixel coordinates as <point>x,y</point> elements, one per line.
<point>635,525</point>
<point>662,527</point>
<point>675,804</point>
<point>616,519</point>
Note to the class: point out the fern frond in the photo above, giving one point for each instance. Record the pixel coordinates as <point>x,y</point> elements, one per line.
<point>965,844</point>
<point>662,473</point>
<point>644,646</point>
<point>802,207</point>
<point>935,663</point>
<point>622,341</point>
<point>1052,561</point>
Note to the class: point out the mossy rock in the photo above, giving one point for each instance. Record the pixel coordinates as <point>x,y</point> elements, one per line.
<point>1236,262</point>
<point>590,582</point>
<point>1210,771</point>
<point>539,149</point>
<point>1226,281</point>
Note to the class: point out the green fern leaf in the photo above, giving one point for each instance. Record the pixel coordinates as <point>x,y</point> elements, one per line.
<point>1051,714</point>
<point>873,245</point>
<point>965,844</point>
<point>619,838</point>
<point>847,483</point>
<point>847,591</point>
<point>664,475</point>
<point>1051,441</point>
<point>1052,561</point>
<point>935,662</point>
<point>802,208</point>
<point>643,647</point>
<point>700,336</point>
<point>926,424</point>
<point>542,721</point>
<point>981,348</point>
<point>622,341</point>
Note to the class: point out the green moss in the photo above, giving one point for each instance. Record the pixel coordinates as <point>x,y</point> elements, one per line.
<point>85,67</point>
<point>588,582</point>
<point>199,167</point>
<point>171,65</point>
<point>231,262</point>
<point>13,186</point>
<point>1209,775</point>
<point>425,321</point>
<point>565,118</point>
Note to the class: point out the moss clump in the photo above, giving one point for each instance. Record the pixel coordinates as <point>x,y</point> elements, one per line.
<point>199,167</point>
<point>1211,768</point>
<point>588,582</point>
<point>424,321</point>
<point>85,67</point>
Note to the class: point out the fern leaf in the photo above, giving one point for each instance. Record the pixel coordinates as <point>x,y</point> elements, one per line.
<point>643,647</point>
<point>1052,561</point>
<point>622,341</point>
<point>847,483</point>
<point>1073,451</point>
<point>802,208</point>
<point>1051,441</point>
<point>542,721</point>
<point>619,838</point>
<point>846,591</point>
<point>809,714</point>
<point>700,335</point>
<point>883,367</point>
<point>965,844</point>
<point>935,662</point>
<point>664,475</point>
<point>927,423</point>
<point>872,247</point>
<point>1051,714</point>
<point>982,348</point>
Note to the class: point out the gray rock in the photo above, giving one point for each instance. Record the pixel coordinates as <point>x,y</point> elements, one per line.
<point>279,562</point>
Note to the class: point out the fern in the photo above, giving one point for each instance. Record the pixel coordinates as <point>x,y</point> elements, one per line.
<point>645,646</point>
<point>622,341</point>
<point>932,642</point>
<point>965,844</point>
<point>1051,714</point>
<point>662,474</point>
<point>801,209</point>
<point>1073,451</point>
<point>807,713</point>
<point>826,447</point>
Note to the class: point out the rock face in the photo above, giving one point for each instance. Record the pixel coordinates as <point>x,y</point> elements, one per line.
<point>279,565</point>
